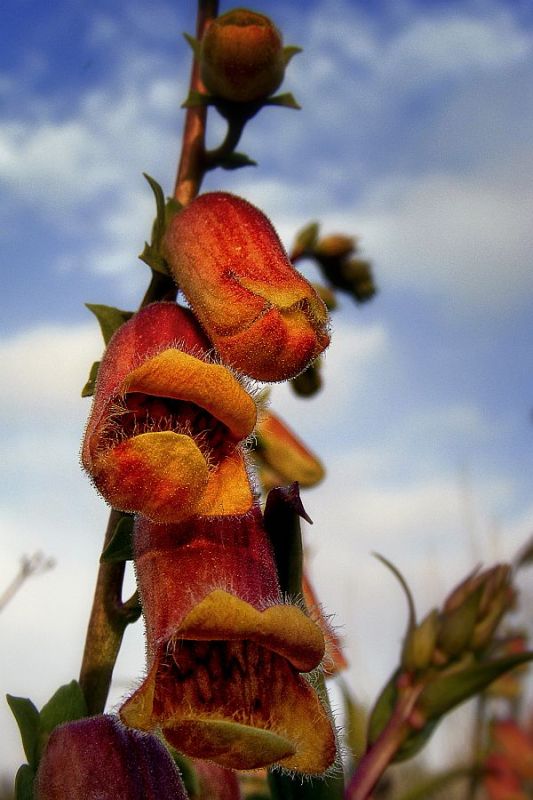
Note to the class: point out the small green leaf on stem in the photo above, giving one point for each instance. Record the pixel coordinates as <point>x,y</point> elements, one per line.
<point>88,389</point>
<point>193,43</point>
<point>403,583</point>
<point>24,783</point>
<point>66,705</point>
<point>289,51</point>
<point>235,161</point>
<point>448,691</point>
<point>286,100</point>
<point>27,718</point>
<point>382,711</point>
<point>120,547</point>
<point>109,318</point>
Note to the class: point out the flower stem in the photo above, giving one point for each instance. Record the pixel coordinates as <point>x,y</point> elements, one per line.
<point>110,615</point>
<point>192,165</point>
<point>378,757</point>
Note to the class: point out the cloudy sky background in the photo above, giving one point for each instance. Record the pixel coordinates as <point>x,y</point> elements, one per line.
<point>415,134</point>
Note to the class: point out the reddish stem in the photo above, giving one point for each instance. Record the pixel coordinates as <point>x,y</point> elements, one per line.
<point>378,757</point>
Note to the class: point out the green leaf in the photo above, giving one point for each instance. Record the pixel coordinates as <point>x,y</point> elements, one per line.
<point>109,318</point>
<point>193,43</point>
<point>415,742</point>
<point>285,100</point>
<point>291,787</point>
<point>411,622</point>
<point>283,510</point>
<point>448,691</point>
<point>151,256</point>
<point>88,389</point>
<point>27,718</point>
<point>158,228</point>
<point>382,711</point>
<point>524,557</point>
<point>290,51</point>
<point>120,546</point>
<point>235,161</point>
<point>24,783</point>
<point>66,705</point>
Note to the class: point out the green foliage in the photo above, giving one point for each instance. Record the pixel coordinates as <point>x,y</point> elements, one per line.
<point>236,161</point>
<point>88,389</point>
<point>165,210</point>
<point>120,547</point>
<point>109,318</point>
<point>27,718</point>
<point>66,705</point>
<point>24,783</point>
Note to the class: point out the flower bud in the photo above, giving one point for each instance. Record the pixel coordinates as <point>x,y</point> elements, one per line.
<point>287,458</point>
<point>242,57</point>
<point>420,644</point>
<point>474,609</point>
<point>100,758</point>
<point>263,317</point>
<point>163,437</point>
<point>336,245</point>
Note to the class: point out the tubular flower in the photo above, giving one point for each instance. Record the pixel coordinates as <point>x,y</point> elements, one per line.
<point>263,317</point>
<point>166,423</point>
<point>99,758</point>
<point>225,655</point>
<point>282,457</point>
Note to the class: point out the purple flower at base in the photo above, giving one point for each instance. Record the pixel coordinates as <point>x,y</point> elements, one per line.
<point>99,759</point>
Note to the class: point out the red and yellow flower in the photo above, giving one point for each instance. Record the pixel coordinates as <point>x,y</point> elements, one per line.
<point>225,654</point>
<point>163,438</point>
<point>263,317</point>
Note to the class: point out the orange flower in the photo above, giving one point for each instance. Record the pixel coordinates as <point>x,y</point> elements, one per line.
<point>224,652</point>
<point>263,317</point>
<point>500,782</point>
<point>164,431</point>
<point>282,457</point>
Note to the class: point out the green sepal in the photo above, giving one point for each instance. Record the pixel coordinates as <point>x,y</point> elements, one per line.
<point>120,546</point>
<point>27,718</point>
<point>290,51</point>
<point>286,100</point>
<point>153,259</point>
<point>109,318</point>
<point>24,781</point>
<point>411,621</point>
<point>292,787</point>
<point>448,691</point>
<point>65,705</point>
<point>283,510</point>
<point>88,389</point>
<point>158,227</point>
<point>165,210</point>
<point>236,161</point>
<point>193,43</point>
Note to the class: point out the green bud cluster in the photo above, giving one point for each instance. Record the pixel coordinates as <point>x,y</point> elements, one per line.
<point>465,625</point>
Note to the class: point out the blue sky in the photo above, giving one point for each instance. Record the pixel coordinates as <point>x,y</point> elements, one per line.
<point>415,135</point>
